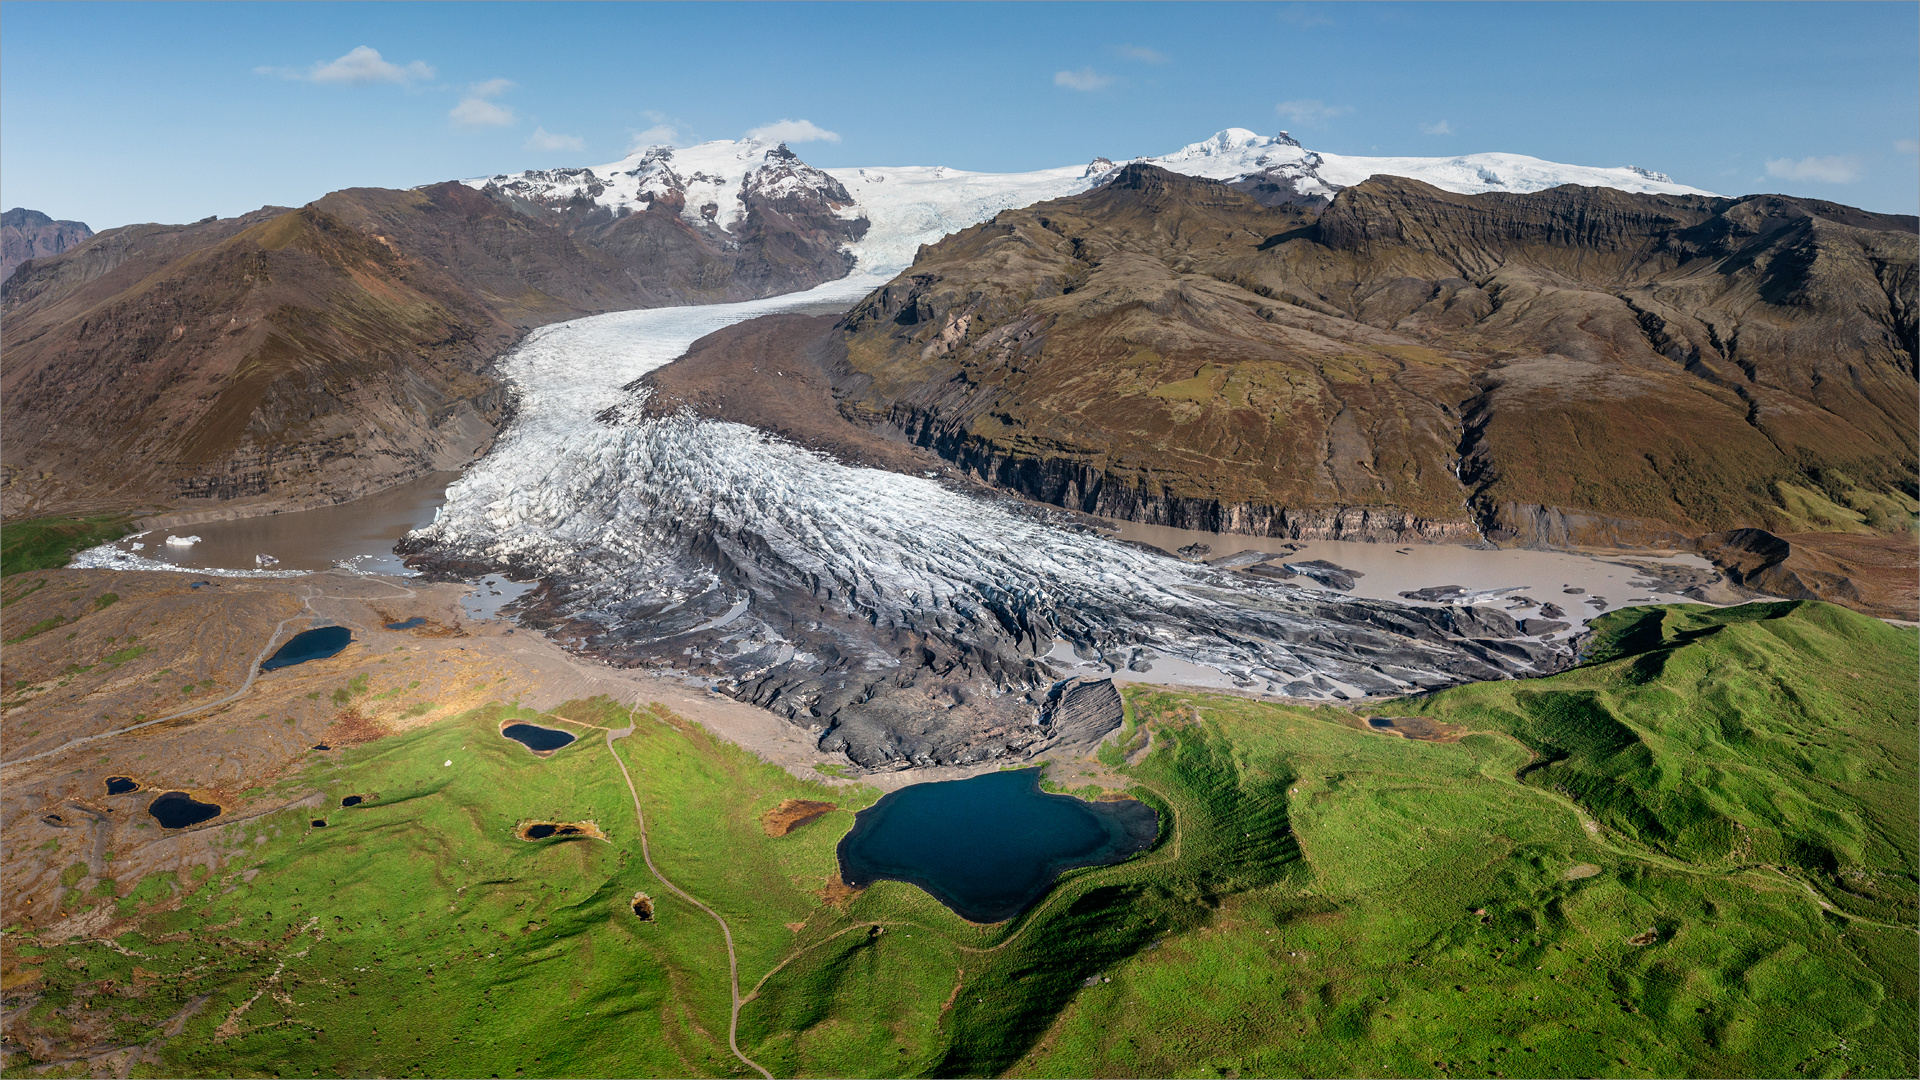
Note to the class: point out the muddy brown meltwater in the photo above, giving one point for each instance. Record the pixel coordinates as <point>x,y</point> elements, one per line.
<point>1510,578</point>
<point>360,533</point>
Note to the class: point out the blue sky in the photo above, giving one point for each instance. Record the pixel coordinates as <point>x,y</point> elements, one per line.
<point>113,113</point>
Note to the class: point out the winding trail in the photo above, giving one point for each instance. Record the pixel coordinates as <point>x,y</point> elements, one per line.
<point>253,673</point>
<point>733,963</point>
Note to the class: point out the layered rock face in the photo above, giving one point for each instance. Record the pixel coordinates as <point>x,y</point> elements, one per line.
<point>300,357</point>
<point>1575,366</point>
<point>30,234</point>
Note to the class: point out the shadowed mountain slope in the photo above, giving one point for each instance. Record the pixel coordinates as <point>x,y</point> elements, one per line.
<point>1578,365</point>
<point>30,234</point>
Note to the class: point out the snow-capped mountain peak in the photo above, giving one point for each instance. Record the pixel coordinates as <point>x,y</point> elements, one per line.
<point>710,184</point>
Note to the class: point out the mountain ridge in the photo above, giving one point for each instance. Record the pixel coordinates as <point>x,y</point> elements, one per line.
<point>1390,367</point>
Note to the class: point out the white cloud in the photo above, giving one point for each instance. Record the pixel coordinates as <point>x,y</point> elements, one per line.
<point>1303,16</point>
<point>1441,128</point>
<point>1828,170</point>
<point>479,112</point>
<point>793,131</point>
<point>542,139</point>
<point>1310,111</point>
<point>657,134</point>
<point>1084,79</point>
<point>1907,146</point>
<point>1142,54</point>
<point>491,88</point>
<point>362,65</point>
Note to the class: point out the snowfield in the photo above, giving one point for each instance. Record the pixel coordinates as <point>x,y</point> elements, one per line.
<point>917,204</point>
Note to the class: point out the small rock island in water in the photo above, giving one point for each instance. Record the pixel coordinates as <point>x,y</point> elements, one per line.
<point>989,847</point>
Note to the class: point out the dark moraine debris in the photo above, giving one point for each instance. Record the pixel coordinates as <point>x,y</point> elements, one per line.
<point>408,624</point>
<point>540,740</point>
<point>121,785</point>
<point>1331,575</point>
<point>1437,594</point>
<point>1414,727</point>
<point>177,810</point>
<point>989,847</point>
<point>316,644</point>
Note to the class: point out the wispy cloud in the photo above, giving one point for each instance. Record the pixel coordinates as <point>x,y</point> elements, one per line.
<point>1302,16</point>
<point>360,66</point>
<point>1142,54</point>
<point>793,131</point>
<point>1310,111</point>
<point>1827,170</point>
<point>542,139</point>
<point>1907,146</point>
<point>1441,128</point>
<point>656,135</point>
<point>491,88</point>
<point>1084,79</point>
<point>475,112</point>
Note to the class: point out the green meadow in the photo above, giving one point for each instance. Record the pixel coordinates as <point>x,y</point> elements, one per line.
<point>1694,855</point>
<point>42,543</point>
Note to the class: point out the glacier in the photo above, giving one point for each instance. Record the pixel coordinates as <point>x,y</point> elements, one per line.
<point>903,620</point>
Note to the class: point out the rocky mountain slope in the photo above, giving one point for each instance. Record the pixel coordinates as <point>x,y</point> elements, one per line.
<point>1573,366</point>
<point>298,357</point>
<point>30,234</point>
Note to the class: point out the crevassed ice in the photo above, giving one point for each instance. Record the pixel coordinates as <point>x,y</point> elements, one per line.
<point>609,505</point>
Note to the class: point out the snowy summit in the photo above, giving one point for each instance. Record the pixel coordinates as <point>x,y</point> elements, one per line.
<point>711,184</point>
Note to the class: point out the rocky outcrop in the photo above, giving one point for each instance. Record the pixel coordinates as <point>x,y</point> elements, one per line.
<point>30,234</point>
<point>1877,575</point>
<point>1578,366</point>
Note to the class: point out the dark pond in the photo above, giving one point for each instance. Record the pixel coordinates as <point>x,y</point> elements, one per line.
<point>989,847</point>
<point>353,800</point>
<point>408,624</point>
<point>542,830</point>
<point>316,644</point>
<point>120,785</point>
<point>318,823</point>
<point>536,738</point>
<point>177,810</point>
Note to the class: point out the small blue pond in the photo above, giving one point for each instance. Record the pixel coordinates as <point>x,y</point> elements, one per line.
<point>989,847</point>
<point>315,644</point>
<point>408,624</point>
<point>538,738</point>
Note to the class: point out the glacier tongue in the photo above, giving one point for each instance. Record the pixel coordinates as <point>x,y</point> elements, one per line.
<point>901,619</point>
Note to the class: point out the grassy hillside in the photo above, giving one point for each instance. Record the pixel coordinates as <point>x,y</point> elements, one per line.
<point>43,543</point>
<point>1634,868</point>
